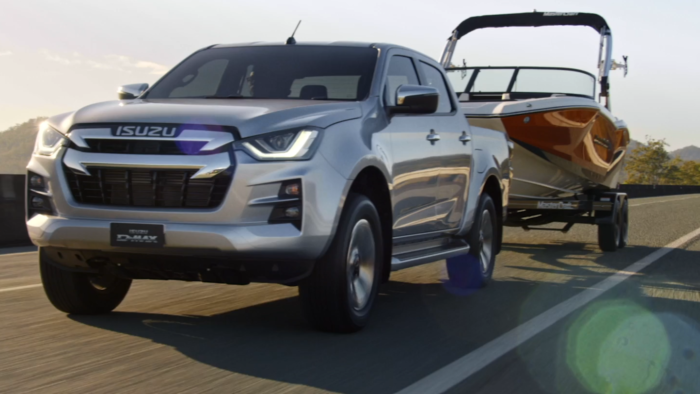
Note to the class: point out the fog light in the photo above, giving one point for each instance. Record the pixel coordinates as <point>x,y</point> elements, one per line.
<point>293,189</point>
<point>38,202</point>
<point>292,212</point>
<point>36,182</point>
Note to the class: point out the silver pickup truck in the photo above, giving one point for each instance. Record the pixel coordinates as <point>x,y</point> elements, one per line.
<point>323,166</point>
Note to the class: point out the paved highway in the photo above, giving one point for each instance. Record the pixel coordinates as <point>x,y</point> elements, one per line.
<point>560,317</point>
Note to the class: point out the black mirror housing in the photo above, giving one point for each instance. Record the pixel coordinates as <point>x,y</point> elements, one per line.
<point>415,99</point>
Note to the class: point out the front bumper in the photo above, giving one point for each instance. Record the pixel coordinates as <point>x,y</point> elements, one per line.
<point>270,241</point>
<point>237,230</point>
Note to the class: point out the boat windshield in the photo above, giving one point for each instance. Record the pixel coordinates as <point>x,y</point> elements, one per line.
<point>517,83</point>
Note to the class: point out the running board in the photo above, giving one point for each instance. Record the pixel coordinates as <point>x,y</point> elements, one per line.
<point>408,260</point>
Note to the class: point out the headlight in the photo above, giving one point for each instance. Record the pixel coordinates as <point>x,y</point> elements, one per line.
<point>297,144</point>
<point>48,140</point>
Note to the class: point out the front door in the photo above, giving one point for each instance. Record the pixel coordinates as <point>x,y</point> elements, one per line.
<point>416,160</point>
<point>455,151</point>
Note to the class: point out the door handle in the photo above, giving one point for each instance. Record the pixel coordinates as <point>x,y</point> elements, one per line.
<point>464,138</point>
<point>433,137</point>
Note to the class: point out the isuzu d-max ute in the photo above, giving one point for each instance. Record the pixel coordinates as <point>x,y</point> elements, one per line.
<point>323,166</point>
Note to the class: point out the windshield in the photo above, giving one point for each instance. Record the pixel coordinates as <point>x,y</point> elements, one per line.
<point>272,72</point>
<point>522,82</point>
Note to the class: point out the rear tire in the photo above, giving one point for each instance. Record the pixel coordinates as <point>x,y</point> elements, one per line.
<point>475,269</point>
<point>624,223</point>
<point>340,293</point>
<point>81,293</point>
<point>609,234</point>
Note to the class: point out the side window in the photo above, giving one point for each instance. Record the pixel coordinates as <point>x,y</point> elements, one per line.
<point>401,72</point>
<point>204,83</point>
<point>435,79</point>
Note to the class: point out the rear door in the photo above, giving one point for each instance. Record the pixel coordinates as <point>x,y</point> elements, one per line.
<point>417,161</point>
<point>455,151</point>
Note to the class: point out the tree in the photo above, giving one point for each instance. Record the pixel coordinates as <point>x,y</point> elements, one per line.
<point>16,145</point>
<point>650,164</point>
<point>690,173</point>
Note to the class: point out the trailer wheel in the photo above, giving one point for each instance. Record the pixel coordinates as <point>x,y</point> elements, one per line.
<point>624,223</point>
<point>609,234</point>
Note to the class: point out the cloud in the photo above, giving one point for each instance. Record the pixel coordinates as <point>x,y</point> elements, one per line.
<point>60,59</point>
<point>119,63</point>
<point>6,53</point>
<point>157,69</point>
<point>127,62</point>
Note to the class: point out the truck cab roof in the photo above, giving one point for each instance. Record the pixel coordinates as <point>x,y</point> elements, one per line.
<point>379,45</point>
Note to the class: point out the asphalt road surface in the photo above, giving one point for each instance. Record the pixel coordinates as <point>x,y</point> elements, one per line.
<point>560,317</point>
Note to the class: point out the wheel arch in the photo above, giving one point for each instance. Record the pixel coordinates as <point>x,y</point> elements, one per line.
<point>372,182</point>
<point>492,186</point>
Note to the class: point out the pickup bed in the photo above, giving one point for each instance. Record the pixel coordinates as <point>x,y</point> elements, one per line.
<point>323,166</point>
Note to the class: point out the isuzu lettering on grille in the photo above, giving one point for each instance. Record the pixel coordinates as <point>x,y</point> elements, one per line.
<point>145,131</point>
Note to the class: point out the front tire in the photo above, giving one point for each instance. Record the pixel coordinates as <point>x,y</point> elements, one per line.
<point>475,269</point>
<point>340,293</point>
<point>81,293</point>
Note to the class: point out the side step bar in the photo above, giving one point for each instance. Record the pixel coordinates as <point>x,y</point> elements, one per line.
<point>408,260</point>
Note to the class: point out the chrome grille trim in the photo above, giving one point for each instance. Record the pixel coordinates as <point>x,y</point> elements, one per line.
<point>205,166</point>
<point>214,139</point>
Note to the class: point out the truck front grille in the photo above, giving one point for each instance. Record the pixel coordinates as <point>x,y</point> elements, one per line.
<point>147,147</point>
<point>147,188</point>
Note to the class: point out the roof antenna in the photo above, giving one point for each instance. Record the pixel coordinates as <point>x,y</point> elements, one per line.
<point>291,40</point>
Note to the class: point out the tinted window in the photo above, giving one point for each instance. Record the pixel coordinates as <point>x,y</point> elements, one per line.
<point>204,82</point>
<point>401,72</point>
<point>433,78</point>
<point>338,87</point>
<point>272,72</point>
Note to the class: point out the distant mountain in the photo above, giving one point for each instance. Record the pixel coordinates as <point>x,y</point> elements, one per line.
<point>16,146</point>
<point>691,152</point>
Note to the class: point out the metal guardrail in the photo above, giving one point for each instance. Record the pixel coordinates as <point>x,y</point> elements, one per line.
<point>13,231</point>
<point>637,191</point>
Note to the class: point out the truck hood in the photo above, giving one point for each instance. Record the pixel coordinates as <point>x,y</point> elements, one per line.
<point>250,116</point>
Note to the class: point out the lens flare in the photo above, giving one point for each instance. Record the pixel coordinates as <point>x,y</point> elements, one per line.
<point>618,347</point>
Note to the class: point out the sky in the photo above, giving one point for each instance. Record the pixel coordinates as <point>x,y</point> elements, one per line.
<point>58,56</point>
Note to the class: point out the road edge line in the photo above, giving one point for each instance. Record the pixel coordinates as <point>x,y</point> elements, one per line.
<point>20,288</point>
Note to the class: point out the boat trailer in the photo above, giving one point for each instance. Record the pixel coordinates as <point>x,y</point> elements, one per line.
<point>607,210</point>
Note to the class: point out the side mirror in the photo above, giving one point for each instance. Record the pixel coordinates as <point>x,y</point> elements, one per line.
<point>128,92</point>
<point>415,99</point>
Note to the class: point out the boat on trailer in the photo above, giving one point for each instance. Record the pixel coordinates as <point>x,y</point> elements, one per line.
<point>568,148</point>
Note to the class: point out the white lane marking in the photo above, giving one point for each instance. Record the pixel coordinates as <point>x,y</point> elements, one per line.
<point>456,372</point>
<point>656,202</point>
<point>20,288</point>
<point>16,254</point>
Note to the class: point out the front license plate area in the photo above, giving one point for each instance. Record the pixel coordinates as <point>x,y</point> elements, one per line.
<point>137,235</point>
